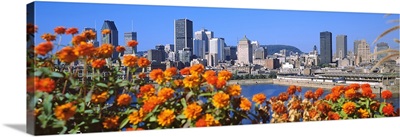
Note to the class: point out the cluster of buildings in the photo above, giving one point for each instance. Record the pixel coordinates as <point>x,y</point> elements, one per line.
<point>249,56</point>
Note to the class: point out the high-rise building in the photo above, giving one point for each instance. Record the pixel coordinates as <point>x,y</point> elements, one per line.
<point>169,47</point>
<point>171,56</point>
<point>184,56</point>
<point>217,46</point>
<point>260,53</point>
<point>199,47</point>
<point>94,41</point>
<point>245,51</point>
<point>230,53</point>
<point>379,47</point>
<point>128,36</point>
<point>205,35</point>
<point>326,47</point>
<point>255,45</point>
<point>161,48</point>
<point>341,46</point>
<point>363,52</point>
<point>112,37</point>
<point>356,43</point>
<point>154,55</point>
<point>183,34</point>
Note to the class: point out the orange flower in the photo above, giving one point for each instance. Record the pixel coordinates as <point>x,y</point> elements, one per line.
<point>224,74</point>
<point>234,90</point>
<point>245,104</point>
<point>185,71</point>
<point>210,120</point>
<point>388,110</point>
<point>212,80</point>
<point>84,49</point>
<point>349,107</point>
<point>298,88</point>
<point>65,112</point>
<point>48,37</point>
<point>192,111</point>
<point>291,89</point>
<point>296,105</point>
<point>259,98</point>
<point>150,104</point>
<point>132,43</point>
<point>279,107</point>
<point>283,96</point>
<point>191,81</point>
<point>30,28</point>
<point>143,62</point>
<point>312,113</point>
<point>43,48</point>
<point>201,123</point>
<point>285,117</point>
<point>350,93</point>
<point>165,94</point>
<point>105,51</point>
<point>309,94</point>
<point>105,31</point>
<point>76,40</point>
<point>46,85</point>
<point>220,100</point>
<point>208,74</point>
<point>120,49</point>
<point>220,83</point>
<point>324,107</point>
<point>178,83</point>
<point>111,122</point>
<point>136,116</point>
<point>166,117</point>
<point>318,93</point>
<point>72,31</point>
<point>196,69</point>
<point>100,98</point>
<point>375,106</point>
<point>354,86</point>
<point>386,94</point>
<point>157,75</point>
<point>124,99</point>
<point>147,90</point>
<point>169,73</point>
<point>31,84</point>
<point>67,55</point>
<point>333,116</point>
<point>363,113</point>
<point>142,75</point>
<point>366,85</point>
<point>338,89</point>
<point>129,60</point>
<point>366,92</point>
<point>89,34</point>
<point>98,63</point>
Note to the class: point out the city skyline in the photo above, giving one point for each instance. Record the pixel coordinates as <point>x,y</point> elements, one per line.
<point>296,28</point>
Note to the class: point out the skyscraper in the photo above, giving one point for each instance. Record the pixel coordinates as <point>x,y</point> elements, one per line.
<point>199,47</point>
<point>245,51</point>
<point>356,42</point>
<point>217,46</point>
<point>183,35</point>
<point>363,52</point>
<point>128,36</point>
<point>205,35</point>
<point>341,46</point>
<point>326,47</point>
<point>379,47</point>
<point>112,37</point>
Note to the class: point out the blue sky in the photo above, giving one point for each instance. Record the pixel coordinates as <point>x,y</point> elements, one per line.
<point>155,24</point>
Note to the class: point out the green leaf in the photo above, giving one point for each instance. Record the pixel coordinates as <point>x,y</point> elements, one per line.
<point>64,130</point>
<point>153,119</point>
<point>95,121</point>
<point>206,94</point>
<point>88,97</point>
<point>47,104</point>
<point>81,107</point>
<point>124,83</point>
<point>190,94</point>
<point>123,123</point>
<point>181,116</point>
<point>102,85</point>
<point>43,119</point>
<point>58,124</point>
<point>381,107</point>
<point>38,73</point>
<point>183,102</point>
<point>56,75</point>
<point>88,111</point>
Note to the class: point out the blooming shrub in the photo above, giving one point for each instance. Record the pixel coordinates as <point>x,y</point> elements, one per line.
<point>64,100</point>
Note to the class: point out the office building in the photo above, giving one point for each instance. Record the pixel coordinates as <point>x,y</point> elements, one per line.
<point>325,47</point>
<point>183,37</point>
